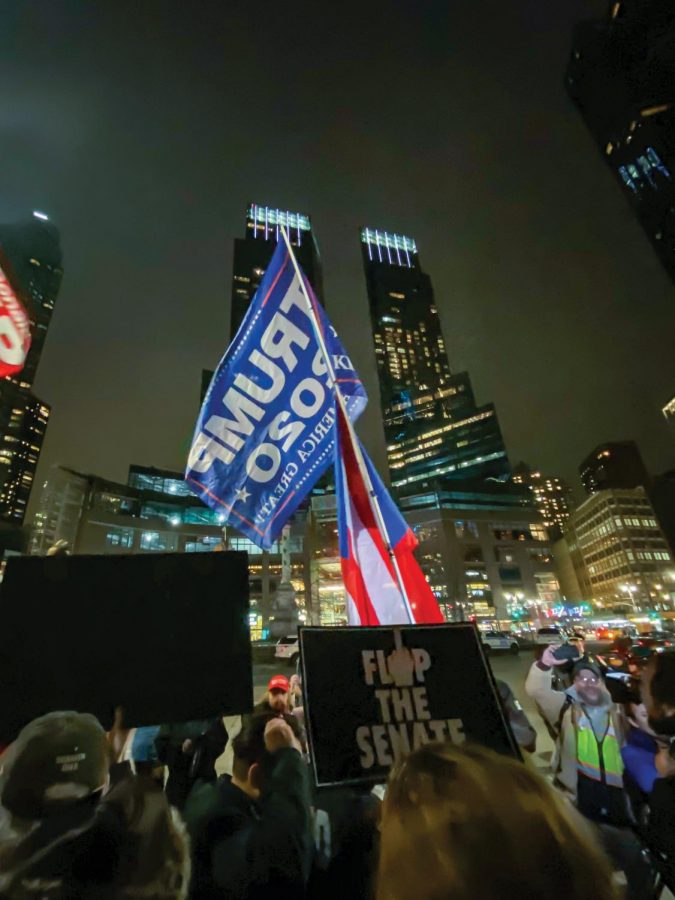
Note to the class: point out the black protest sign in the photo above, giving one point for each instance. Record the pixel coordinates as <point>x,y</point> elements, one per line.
<point>374,694</point>
<point>165,636</point>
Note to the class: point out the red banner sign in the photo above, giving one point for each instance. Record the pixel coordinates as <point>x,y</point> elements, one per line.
<point>14,330</point>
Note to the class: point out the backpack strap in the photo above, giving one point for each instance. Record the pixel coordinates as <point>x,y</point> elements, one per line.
<point>558,731</point>
<point>563,709</point>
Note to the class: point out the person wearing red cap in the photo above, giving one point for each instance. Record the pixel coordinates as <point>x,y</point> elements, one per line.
<point>277,700</point>
<point>277,697</point>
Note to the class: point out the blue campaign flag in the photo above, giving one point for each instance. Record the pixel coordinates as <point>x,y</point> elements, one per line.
<point>265,433</point>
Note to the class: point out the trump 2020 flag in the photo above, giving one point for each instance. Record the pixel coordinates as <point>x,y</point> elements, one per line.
<point>265,431</point>
<point>373,592</point>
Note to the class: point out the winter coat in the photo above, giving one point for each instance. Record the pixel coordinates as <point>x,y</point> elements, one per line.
<point>129,845</point>
<point>253,849</point>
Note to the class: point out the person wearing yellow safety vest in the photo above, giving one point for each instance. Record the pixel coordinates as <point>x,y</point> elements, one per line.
<point>587,763</point>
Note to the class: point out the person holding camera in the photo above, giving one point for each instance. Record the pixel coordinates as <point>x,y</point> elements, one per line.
<point>587,762</point>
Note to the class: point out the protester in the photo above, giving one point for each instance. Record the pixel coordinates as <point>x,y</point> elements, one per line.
<point>67,834</point>
<point>587,764</point>
<point>638,754</point>
<point>277,700</point>
<point>346,838</point>
<point>463,822</point>
<point>190,750</point>
<point>251,835</point>
<point>658,685</point>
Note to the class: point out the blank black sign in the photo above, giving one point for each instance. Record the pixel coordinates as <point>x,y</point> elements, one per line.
<point>164,636</point>
<point>366,704</point>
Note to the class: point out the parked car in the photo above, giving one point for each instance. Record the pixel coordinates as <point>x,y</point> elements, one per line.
<point>658,640</point>
<point>499,640</point>
<point>288,648</point>
<point>551,635</point>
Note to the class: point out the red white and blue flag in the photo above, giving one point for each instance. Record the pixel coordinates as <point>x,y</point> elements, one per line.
<point>371,583</point>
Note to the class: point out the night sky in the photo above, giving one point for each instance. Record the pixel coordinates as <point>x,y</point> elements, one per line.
<point>143,128</point>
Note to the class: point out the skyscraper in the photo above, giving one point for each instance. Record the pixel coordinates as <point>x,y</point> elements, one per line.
<point>432,425</point>
<point>31,254</point>
<point>253,252</point>
<point>616,464</point>
<point>621,75</point>
<point>551,495</point>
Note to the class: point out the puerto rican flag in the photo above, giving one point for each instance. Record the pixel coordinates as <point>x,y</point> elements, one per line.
<point>373,593</point>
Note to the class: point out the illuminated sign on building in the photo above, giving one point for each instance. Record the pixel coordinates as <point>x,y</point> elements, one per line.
<point>267,220</point>
<point>396,247</point>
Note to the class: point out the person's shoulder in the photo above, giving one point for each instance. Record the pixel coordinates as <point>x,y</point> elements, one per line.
<point>203,801</point>
<point>214,811</point>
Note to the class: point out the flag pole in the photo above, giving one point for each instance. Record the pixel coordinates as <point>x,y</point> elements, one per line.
<point>365,474</point>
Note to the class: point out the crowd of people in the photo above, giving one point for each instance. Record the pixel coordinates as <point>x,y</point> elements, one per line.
<point>225,808</point>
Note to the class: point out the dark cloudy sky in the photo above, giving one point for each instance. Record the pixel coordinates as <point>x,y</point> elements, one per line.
<point>143,128</point>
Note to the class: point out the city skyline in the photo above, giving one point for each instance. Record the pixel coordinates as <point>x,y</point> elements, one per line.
<point>548,291</point>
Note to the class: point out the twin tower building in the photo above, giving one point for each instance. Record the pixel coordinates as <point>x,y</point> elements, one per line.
<point>434,431</point>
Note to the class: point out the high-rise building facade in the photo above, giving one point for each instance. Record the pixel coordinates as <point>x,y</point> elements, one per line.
<point>619,552</point>
<point>253,252</point>
<point>31,254</point>
<point>621,75</point>
<point>551,495</point>
<point>616,464</point>
<point>23,424</point>
<point>432,424</point>
<point>484,556</point>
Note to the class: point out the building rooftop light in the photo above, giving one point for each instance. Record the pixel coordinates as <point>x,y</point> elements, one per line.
<point>271,217</point>
<point>396,247</point>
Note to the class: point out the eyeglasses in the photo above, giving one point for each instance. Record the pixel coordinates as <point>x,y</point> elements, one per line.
<point>587,679</point>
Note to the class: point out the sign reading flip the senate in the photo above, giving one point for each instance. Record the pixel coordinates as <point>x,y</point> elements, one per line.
<point>265,431</point>
<point>387,700</point>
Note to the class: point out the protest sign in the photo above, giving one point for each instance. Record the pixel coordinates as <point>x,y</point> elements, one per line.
<point>374,694</point>
<point>165,636</point>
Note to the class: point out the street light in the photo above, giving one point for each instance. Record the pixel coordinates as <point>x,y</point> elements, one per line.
<point>631,590</point>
